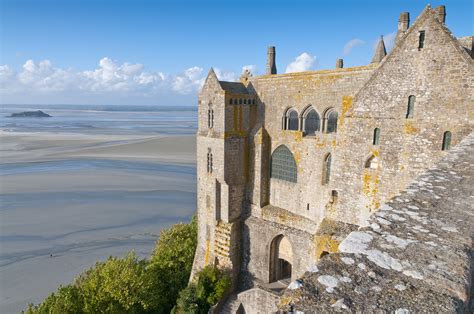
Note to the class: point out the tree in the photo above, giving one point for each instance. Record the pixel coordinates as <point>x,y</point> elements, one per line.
<point>210,286</point>
<point>115,286</point>
<point>131,285</point>
<point>67,299</point>
<point>171,264</point>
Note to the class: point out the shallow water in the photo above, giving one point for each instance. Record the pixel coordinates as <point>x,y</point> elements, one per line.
<point>58,217</point>
<point>110,119</point>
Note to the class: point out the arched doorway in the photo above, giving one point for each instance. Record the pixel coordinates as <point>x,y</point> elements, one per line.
<point>241,309</point>
<point>281,259</point>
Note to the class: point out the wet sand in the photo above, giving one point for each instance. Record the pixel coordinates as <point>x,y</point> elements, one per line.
<point>69,200</point>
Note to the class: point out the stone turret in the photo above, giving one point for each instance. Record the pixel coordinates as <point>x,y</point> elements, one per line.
<point>441,13</point>
<point>271,64</point>
<point>380,51</point>
<point>339,63</point>
<point>403,24</point>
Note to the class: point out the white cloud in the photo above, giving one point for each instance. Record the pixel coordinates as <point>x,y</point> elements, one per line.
<point>225,75</point>
<point>111,76</point>
<point>302,63</point>
<point>190,79</point>
<point>110,80</point>
<point>5,71</point>
<point>351,44</point>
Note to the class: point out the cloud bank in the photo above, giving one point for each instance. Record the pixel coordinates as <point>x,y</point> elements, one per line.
<point>108,80</point>
<point>302,63</point>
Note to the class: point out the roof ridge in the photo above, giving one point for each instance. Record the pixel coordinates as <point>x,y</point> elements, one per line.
<point>426,13</point>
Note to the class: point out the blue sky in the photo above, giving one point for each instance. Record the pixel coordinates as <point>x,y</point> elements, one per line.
<point>157,52</point>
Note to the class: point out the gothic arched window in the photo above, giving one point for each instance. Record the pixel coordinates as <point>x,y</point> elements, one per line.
<point>327,169</point>
<point>376,140</point>
<point>311,122</point>
<point>330,119</point>
<point>446,141</point>
<point>291,120</point>
<point>283,165</point>
<point>209,161</point>
<point>411,106</point>
<point>210,117</point>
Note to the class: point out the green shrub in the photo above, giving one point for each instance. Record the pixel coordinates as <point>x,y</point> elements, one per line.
<point>130,285</point>
<point>67,299</point>
<point>117,285</point>
<point>171,264</point>
<point>210,286</point>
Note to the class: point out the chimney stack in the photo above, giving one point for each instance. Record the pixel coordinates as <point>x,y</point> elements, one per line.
<point>271,65</point>
<point>441,13</point>
<point>403,24</point>
<point>339,63</point>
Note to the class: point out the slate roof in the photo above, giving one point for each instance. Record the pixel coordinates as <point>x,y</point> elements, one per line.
<point>234,87</point>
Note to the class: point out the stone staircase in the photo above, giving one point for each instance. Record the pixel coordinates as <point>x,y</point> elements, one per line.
<point>222,242</point>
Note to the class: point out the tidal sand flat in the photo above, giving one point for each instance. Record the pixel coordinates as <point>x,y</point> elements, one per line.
<point>71,199</point>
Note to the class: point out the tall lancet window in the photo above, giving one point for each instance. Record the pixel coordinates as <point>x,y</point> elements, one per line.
<point>376,140</point>
<point>330,120</point>
<point>210,117</point>
<point>327,169</point>
<point>209,160</point>
<point>446,141</point>
<point>411,106</point>
<point>311,122</point>
<point>291,120</point>
<point>421,39</point>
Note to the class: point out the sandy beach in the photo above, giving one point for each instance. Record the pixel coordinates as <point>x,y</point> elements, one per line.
<point>69,200</point>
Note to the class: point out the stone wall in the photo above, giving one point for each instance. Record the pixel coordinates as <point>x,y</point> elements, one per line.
<point>320,90</point>
<point>412,256</point>
<point>256,252</point>
<point>440,76</point>
<point>315,216</point>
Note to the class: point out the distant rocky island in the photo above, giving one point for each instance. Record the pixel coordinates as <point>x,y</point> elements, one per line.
<point>30,114</point>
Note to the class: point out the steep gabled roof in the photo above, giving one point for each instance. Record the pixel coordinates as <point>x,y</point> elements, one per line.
<point>426,13</point>
<point>234,87</point>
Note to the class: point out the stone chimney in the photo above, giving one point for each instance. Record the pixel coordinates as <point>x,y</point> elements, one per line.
<point>271,65</point>
<point>339,64</point>
<point>403,24</point>
<point>441,13</point>
<point>380,51</point>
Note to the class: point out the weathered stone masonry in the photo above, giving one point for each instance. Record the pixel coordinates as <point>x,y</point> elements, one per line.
<point>290,164</point>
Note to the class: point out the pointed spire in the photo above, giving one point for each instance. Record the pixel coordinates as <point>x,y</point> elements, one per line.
<point>212,81</point>
<point>212,74</point>
<point>380,51</point>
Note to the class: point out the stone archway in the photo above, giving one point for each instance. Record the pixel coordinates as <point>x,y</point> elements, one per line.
<point>241,309</point>
<point>281,259</point>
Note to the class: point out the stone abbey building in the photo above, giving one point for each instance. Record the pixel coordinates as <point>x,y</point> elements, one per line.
<point>290,164</point>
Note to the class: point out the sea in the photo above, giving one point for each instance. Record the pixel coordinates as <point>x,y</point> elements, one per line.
<point>58,216</point>
<point>103,119</point>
